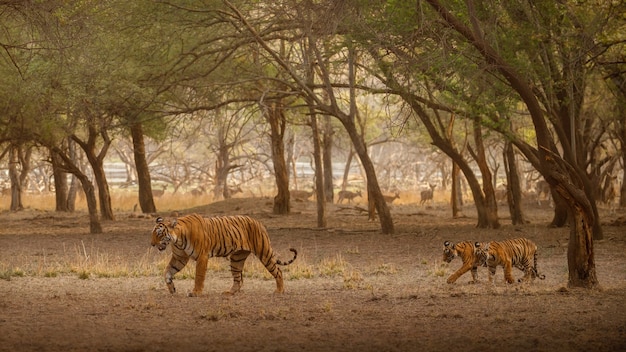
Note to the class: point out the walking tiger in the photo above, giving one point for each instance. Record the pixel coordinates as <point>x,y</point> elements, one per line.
<point>199,238</point>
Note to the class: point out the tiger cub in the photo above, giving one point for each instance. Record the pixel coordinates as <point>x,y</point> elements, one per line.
<point>520,253</point>
<point>470,255</point>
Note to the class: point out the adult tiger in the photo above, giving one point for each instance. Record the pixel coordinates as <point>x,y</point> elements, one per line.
<point>199,238</point>
<point>520,253</point>
<point>469,254</point>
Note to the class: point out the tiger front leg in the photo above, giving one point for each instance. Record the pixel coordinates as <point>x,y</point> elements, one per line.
<point>458,273</point>
<point>508,273</point>
<point>175,265</point>
<point>201,265</point>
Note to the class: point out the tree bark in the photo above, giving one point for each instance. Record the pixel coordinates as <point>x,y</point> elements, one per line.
<point>14,176</point>
<point>96,160</point>
<point>513,189</point>
<point>95,226</point>
<point>319,172</point>
<point>327,158</point>
<point>275,116</point>
<point>144,182</point>
<point>61,187</point>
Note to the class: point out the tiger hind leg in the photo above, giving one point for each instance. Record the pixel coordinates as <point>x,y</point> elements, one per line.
<point>237,261</point>
<point>272,266</point>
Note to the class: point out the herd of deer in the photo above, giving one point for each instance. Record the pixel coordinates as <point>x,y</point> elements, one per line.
<point>425,196</point>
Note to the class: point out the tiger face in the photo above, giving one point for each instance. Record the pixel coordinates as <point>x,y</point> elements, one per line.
<point>161,236</point>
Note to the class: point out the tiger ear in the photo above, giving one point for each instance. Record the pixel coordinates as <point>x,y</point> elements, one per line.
<point>477,244</point>
<point>446,244</point>
<point>173,223</point>
<point>159,220</point>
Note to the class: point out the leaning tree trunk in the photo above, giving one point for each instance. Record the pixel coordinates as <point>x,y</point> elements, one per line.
<point>146,201</point>
<point>374,193</point>
<point>90,195</point>
<point>276,118</point>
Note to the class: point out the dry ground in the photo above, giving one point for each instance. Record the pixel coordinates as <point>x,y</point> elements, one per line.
<point>351,288</point>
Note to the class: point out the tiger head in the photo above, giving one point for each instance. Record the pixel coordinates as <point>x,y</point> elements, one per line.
<point>161,235</point>
<point>449,251</point>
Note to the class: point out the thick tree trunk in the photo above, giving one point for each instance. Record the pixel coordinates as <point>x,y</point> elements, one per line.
<point>276,118</point>
<point>580,257</point>
<point>490,203</point>
<point>146,201</point>
<point>513,189</point>
<point>104,194</point>
<point>61,187</point>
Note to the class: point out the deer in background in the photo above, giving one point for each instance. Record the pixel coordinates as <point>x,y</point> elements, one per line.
<point>427,194</point>
<point>390,199</point>
<point>348,195</point>
<point>543,191</point>
<point>159,192</point>
<point>301,195</point>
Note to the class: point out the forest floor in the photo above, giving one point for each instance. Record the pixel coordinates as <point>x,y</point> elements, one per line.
<point>350,289</point>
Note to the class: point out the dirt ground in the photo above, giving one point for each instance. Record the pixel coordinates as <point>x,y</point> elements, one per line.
<point>351,288</point>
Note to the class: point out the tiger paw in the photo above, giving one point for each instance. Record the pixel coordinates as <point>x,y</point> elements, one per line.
<point>193,294</point>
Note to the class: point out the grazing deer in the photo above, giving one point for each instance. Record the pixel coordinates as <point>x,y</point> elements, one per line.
<point>427,195</point>
<point>348,195</point>
<point>301,195</point>
<point>159,192</point>
<point>390,199</point>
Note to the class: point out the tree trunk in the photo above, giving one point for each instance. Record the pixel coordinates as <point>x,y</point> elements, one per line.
<point>455,193</point>
<point>14,176</point>
<point>146,201</point>
<point>96,160</point>
<point>580,257</point>
<point>319,171</point>
<point>275,116</point>
<point>92,204</point>
<point>490,203</point>
<point>513,189</point>
<point>327,159</point>
<point>61,188</point>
